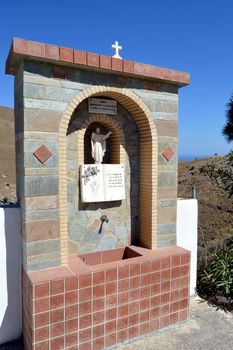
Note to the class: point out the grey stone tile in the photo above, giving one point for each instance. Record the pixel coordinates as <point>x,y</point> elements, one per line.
<point>41,185</point>
<point>167,179</point>
<point>44,104</point>
<point>42,247</point>
<point>166,229</point>
<point>43,265</point>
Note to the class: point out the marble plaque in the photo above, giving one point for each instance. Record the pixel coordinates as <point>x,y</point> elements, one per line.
<point>102,182</point>
<point>101,105</point>
<point>114,182</point>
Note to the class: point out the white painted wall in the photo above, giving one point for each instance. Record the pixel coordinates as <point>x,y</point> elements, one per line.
<point>10,275</point>
<point>187,219</point>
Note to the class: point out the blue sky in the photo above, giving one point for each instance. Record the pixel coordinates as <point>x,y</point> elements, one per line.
<point>194,36</point>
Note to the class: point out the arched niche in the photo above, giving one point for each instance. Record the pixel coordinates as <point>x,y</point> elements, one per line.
<point>148,161</point>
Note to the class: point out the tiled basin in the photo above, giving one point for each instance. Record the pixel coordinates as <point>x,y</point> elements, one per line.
<point>108,256</point>
<point>114,297</point>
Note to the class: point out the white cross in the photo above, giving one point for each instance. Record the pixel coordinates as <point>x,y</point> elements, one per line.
<point>116,47</point>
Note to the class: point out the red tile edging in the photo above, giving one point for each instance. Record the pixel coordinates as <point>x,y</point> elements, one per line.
<point>22,48</point>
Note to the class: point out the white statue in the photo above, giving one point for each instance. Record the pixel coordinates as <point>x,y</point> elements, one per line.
<point>98,145</point>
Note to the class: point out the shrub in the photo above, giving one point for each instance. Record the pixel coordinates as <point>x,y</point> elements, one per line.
<point>208,169</point>
<point>222,175</point>
<point>215,281</point>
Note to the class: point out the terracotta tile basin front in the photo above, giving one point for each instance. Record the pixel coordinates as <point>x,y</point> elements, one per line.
<point>108,256</point>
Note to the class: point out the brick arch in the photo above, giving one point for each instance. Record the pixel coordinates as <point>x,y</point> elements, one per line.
<point>117,137</point>
<point>148,162</point>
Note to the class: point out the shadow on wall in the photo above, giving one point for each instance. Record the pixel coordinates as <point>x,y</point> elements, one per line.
<point>10,274</point>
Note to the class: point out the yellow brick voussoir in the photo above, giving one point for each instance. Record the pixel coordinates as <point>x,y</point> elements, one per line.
<point>65,121</point>
<point>77,99</point>
<point>87,93</point>
<point>133,96</point>
<point>95,89</point>
<point>72,105</point>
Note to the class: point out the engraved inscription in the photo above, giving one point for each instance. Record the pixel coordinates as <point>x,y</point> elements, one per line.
<point>107,184</point>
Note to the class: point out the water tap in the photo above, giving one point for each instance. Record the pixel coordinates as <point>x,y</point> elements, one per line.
<point>103,219</point>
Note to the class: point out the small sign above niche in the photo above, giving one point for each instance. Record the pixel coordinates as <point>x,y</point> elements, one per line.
<point>102,182</point>
<point>101,105</point>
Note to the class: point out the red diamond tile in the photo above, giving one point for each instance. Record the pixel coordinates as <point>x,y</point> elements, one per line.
<point>42,153</point>
<point>168,153</point>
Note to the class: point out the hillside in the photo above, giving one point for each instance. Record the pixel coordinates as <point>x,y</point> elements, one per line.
<point>7,155</point>
<point>215,207</point>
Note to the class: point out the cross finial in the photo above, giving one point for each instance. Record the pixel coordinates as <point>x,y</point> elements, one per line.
<point>116,47</point>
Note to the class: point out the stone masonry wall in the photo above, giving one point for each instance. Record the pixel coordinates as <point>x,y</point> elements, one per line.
<point>42,93</point>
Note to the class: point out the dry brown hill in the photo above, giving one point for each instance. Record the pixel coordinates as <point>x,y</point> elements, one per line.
<point>7,154</point>
<point>215,208</point>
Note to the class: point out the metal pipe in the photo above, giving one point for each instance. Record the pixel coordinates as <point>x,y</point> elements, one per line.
<point>194,192</point>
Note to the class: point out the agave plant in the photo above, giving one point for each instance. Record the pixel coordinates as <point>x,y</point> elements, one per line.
<point>208,169</point>
<point>225,178</point>
<point>229,159</point>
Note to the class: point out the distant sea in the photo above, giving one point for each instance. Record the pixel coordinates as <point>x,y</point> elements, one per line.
<point>193,156</point>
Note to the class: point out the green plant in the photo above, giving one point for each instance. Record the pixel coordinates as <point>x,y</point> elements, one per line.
<point>208,169</point>
<point>222,175</point>
<point>225,178</point>
<point>216,279</point>
<point>219,274</point>
<point>229,158</point>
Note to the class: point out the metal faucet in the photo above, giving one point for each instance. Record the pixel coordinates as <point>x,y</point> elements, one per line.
<point>103,219</point>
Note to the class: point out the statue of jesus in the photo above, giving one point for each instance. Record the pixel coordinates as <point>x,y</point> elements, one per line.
<point>98,145</point>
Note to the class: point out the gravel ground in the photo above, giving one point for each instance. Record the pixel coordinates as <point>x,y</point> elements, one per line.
<point>206,329</point>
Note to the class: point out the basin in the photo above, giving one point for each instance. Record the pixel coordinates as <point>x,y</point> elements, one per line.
<point>108,256</point>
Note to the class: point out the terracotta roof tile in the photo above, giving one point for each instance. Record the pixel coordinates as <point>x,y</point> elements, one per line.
<point>22,49</point>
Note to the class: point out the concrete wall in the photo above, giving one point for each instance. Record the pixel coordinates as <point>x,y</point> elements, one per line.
<point>10,275</point>
<point>187,219</point>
